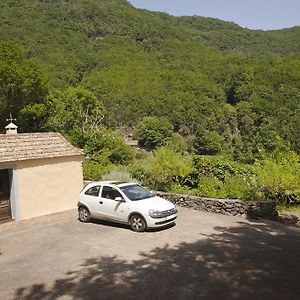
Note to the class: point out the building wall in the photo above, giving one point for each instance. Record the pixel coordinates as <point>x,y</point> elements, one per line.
<point>47,186</point>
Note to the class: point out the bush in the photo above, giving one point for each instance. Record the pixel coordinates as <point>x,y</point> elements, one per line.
<point>219,167</point>
<point>165,169</point>
<point>209,187</point>
<point>119,174</point>
<point>218,177</point>
<point>106,149</point>
<point>106,146</point>
<point>278,175</point>
<point>153,132</point>
<point>208,142</point>
<point>233,187</point>
<point>178,143</point>
<point>94,171</point>
<point>239,187</point>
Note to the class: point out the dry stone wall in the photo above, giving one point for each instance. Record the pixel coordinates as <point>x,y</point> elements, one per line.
<point>251,209</point>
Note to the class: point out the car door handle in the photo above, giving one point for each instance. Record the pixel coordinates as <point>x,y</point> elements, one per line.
<point>101,202</point>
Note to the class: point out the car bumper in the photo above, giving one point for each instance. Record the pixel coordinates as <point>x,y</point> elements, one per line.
<point>160,222</point>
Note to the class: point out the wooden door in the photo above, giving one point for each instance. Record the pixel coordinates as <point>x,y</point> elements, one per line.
<point>5,209</point>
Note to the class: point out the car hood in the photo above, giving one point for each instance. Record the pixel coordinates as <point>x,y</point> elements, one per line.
<point>156,203</point>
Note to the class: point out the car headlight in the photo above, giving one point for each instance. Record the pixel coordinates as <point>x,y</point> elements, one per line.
<point>155,213</point>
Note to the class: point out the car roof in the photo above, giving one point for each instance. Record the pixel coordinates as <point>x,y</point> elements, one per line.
<point>111,182</point>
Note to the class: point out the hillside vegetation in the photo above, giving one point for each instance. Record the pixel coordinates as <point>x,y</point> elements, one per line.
<point>87,67</point>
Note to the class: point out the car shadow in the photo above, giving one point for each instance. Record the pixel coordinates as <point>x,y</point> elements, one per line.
<point>163,228</point>
<point>109,224</point>
<point>127,227</point>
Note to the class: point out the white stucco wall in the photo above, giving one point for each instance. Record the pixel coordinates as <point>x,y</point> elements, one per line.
<point>47,186</point>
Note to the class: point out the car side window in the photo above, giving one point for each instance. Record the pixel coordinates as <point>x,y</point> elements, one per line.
<point>93,191</point>
<point>110,193</point>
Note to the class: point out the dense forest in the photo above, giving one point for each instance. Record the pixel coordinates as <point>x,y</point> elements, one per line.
<point>208,96</point>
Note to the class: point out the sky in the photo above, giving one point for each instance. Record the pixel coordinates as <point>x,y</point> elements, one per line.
<point>253,14</point>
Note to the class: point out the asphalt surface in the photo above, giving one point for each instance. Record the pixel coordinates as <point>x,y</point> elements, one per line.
<point>204,256</point>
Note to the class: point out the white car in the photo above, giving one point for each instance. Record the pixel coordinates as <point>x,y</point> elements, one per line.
<point>127,203</point>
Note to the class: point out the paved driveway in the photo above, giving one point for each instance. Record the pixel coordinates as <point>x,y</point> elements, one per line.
<point>205,256</point>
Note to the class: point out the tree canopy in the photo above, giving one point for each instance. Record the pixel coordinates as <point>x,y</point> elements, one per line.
<point>233,89</point>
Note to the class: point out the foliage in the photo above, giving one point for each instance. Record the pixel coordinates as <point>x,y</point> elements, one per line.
<point>153,132</point>
<point>219,167</point>
<point>219,177</point>
<point>34,117</point>
<point>198,85</point>
<point>165,169</point>
<point>107,147</point>
<point>208,142</point>
<point>279,175</point>
<point>119,174</point>
<point>22,85</point>
<point>136,63</point>
<point>105,150</point>
<point>94,170</point>
<point>180,143</point>
<point>75,112</point>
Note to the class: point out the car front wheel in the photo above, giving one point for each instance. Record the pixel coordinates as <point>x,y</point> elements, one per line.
<point>84,214</point>
<point>137,223</point>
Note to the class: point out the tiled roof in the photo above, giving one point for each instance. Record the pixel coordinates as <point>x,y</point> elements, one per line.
<point>25,146</point>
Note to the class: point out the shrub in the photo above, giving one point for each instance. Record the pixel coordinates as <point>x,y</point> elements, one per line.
<point>233,187</point>
<point>209,187</point>
<point>153,132</point>
<point>219,167</point>
<point>105,149</point>
<point>106,146</point>
<point>119,174</point>
<point>178,143</point>
<point>208,142</point>
<point>279,176</point>
<point>218,177</point>
<point>238,187</point>
<point>166,168</point>
<point>94,171</point>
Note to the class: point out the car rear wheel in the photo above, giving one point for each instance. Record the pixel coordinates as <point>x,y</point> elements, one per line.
<point>84,214</point>
<point>137,223</point>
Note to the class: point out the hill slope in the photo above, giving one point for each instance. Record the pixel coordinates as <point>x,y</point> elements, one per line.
<point>200,73</point>
<point>30,21</point>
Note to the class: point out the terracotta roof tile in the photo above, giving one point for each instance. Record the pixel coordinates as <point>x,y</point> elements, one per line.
<point>25,146</point>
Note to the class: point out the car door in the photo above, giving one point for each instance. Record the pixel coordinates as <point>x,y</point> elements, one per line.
<point>92,200</point>
<point>111,209</point>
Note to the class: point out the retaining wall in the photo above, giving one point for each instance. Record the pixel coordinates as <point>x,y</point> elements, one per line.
<point>252,209</point>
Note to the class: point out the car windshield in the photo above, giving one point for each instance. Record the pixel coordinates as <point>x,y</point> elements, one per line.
<point>135,192</point>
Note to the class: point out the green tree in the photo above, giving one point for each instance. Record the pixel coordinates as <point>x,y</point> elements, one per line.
<point>76,112</point>
<point>21,84</point>
<point>153,132</point>
<point>34,117</point>
<point>105,146</point>
<point>208,142</point>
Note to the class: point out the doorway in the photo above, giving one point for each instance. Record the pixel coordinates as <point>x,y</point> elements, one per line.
<point>5,207</point>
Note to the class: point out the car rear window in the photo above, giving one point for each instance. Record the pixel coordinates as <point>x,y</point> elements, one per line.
<point>93,191</point>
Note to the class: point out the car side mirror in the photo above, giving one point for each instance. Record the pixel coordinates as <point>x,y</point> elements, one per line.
<point>119,199</point>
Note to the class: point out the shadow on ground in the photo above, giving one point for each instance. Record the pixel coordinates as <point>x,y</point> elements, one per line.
<point>289,219</point>
<point>127,227</point>
<point>244,262</point>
